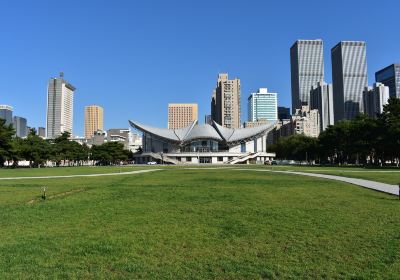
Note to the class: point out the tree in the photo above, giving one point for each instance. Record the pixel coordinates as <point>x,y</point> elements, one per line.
<point>109,153</point>
<point>35,149</point>
<point>6,135</point>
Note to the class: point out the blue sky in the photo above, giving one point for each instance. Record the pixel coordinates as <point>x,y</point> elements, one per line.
<point>134,57</point>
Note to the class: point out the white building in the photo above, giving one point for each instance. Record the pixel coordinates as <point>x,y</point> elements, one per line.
<point>306,121</point>
<point>60,107</point>
<point>374,98</point>
<point>263,105</point>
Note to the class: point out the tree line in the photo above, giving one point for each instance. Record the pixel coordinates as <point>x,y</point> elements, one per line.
<point>363,140</point>
<point>60,151</point>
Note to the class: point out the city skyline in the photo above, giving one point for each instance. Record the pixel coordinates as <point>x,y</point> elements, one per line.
<point>118,73</point>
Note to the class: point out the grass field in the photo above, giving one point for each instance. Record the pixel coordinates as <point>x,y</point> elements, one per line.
<point>195,224</point>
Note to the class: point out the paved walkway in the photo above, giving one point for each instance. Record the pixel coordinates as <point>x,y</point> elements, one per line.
<point>81,175</point>
<point>373,185</point>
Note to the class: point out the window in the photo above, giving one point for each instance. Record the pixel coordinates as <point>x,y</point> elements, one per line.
<point>220,158</point>
<point>188,159</point>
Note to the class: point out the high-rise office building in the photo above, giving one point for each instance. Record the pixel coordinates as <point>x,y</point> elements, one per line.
<point>321,99</point>
<point>349,76</point>
<point>284,113</point>
<point>390,76</point>
<point>6,113</point>
<point>374,98</point>
<point>181,115</point>
<point>42,132</point>
<point>263,105</point>
<point>208,119</point>
<point>307,68</point>
<point>225,104</point>
<point>19,124</point>
<point>60,107</point>
<point>94,120</point>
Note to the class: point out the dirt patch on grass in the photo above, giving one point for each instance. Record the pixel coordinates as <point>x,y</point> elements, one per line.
<point>58,195</point>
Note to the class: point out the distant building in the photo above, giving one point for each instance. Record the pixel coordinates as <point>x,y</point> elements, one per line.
<point>94,120</point>
<point>263,105</point>
<point>42,132</point>
<point>181,115</point>
<point>306,121</point>
<point>98,138</point>
<point>208,119</point>
<point>60,107</point>
<point>121,135</point>
<point>349,76</point>
<point>21,130</point>
<point>6,113</point>
<point>307,68</point>
<point>374,98</point>
<point>225,103</point>
<point>321,99</point>
<point>284,113</point>
<point>390,76</point>
<point>255,123</point>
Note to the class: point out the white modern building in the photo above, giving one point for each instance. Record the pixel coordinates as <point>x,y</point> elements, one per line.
<point>212,144</point>
<point>374,98</point>
<point>306,121</point>
<point>60,107</point>
<point>263,105</point>
<point>321,99</point>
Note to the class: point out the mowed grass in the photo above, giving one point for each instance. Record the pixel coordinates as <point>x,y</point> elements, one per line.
<point>197,224</point>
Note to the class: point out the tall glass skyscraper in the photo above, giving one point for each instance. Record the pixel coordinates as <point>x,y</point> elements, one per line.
<point>307,68</point>
<point>390,77</point>
<point>263,105</point>
<point>349,77</point>
<point>20,126</point>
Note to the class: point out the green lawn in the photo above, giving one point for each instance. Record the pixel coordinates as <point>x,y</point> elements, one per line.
<point>197,224</point>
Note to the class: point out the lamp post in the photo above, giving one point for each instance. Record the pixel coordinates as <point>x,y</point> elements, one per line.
<point>162,158</point>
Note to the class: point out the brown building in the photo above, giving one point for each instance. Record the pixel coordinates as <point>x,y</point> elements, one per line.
<point>225,104</point>
<point>93,120</point>
<point>181,115</point>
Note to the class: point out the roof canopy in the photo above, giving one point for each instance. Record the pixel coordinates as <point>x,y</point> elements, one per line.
<point>205,131</point>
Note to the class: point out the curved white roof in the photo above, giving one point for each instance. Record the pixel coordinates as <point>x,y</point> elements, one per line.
<point>205,131</point>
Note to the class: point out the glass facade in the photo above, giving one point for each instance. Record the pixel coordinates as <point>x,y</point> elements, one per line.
<point>390,77</point>
<point>202,146</point>
<point>263,105</point>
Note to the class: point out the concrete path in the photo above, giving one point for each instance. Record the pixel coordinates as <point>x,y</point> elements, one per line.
<point>81,175</point>
<point>373,185</point>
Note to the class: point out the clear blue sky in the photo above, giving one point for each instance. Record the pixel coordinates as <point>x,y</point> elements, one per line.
<point>134,57</point>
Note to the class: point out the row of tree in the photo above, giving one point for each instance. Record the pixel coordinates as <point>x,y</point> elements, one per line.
<point>363,140</point>
<point>60,151</point>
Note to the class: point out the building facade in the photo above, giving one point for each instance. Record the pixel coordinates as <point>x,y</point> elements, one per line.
<point>212,144</point>
<point>94,120</point>
<point>349,76</point>
<point>225,103</point>
<point>306,121</point>
<point>60,107</point>
<point>307,68</point>
<point>321,99</point>
<point>6,113</point>
<point>42,132</point>
<point>390,77</point>
<point>181,115</point>
<point>20,126</point>
<point>374,98</point>
<point>284,113</point>
<point>263,105</point>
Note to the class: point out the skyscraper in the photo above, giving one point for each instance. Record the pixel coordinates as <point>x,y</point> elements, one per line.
<point>349,76</point>
<point>390,76</point>
<point>6,113</point>
<point>263,105</point>
<point>225,104</point>
<point>181,115</point>
<point>307,68</point>
<point>42,132</point>
<point>60,107</point>
<point>19,123</point>
<point>94,120</point>
<point>321,99</point>
<point>284,113</point>
<point>374,98</point>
